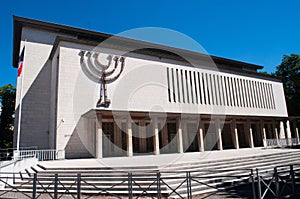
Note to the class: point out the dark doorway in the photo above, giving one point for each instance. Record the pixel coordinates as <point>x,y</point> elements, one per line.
<point>257,137</point>
<point>210,137</point>
<point>227,137</point>
<point>192,137</point>
<point>242,136</point>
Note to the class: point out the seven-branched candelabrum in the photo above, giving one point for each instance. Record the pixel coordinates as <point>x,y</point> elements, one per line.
<point>101,73</point>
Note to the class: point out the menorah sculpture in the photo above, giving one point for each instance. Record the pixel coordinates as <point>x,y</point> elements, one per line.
<point>101,73</point>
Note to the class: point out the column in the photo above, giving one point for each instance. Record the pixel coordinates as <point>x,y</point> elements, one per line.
<point>276,132</point>
<point>288,133</point>
<point>99,133</point>
<point>296,130</point>
<point>200,136</point>
<point>235,134</point>
<point>251,142</point>
<point>156,137</point>
<point>179,134</point>
<point>219,134</point>
<point>129,138</point>
<point>281,132</point>
<point>263,129</point>
<point>275,129</point>
<point>288,129</point>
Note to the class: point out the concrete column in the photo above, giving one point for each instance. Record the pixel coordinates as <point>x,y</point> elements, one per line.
<point>275,129</point>
<point>179,134</point>
<point>156,137</point>
<point>129,138</point>
<point>288,129</point>
<point>99,133</point>
<point>281,132</point>
<point>264,135</point>
<point>200,136</point>
<point>264,130</point>
<point>251,142</point>
<point>296,130</point>
<point>235,134</point>
<point>219,135</point>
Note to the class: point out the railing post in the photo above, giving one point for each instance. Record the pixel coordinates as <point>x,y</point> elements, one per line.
<point>188,185</point>
<point>253,184</point>
<point>34,186</point>
<point>292,178</point>
<point>78,186</point>
<point>277,185</point>
<point>55,186</point>
<point>130,186</point>
<point>265,143</point>
<point>158,185</point>
<point>258,184</point>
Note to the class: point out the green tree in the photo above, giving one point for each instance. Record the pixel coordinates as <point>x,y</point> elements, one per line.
<point>7,101</point>
<point>289,71</point>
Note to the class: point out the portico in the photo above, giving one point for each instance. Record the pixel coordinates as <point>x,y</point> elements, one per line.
<point>137,134</point>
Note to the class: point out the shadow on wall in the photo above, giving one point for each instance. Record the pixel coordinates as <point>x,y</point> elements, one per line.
<point>82,141</point>
<point>35,122</point>
<point>35,111</point>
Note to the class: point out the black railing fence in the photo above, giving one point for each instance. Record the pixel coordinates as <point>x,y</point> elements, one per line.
<point>281,182</point>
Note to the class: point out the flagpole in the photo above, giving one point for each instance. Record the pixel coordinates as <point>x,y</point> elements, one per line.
<point>20,114</point>
<point>20,107</point>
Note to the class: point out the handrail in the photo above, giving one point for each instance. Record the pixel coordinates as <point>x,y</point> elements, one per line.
<point>282,142</point>
<point>41,155</point>
<point>8,153</point>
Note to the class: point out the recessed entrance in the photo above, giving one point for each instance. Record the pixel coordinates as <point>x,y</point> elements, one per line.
<point>210,137</point>
<point>227,137</point>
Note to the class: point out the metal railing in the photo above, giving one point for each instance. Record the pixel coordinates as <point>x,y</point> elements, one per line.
<point>181,184</point>
<point>8,153</point>
<point>41,155</point>
<point>283,142</point>
<point>281,182</point>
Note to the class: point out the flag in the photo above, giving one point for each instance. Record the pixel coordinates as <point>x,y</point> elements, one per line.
<point>20,64</point>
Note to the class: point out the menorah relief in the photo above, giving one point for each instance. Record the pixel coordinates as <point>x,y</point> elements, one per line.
<point>102,73</point>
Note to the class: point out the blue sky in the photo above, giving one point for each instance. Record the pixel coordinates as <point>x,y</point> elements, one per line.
<point>258,32</point>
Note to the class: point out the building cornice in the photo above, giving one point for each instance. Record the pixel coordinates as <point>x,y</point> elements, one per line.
<point>144,47</point>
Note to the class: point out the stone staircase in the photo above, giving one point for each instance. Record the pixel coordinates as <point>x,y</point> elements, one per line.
<point>206,176</point>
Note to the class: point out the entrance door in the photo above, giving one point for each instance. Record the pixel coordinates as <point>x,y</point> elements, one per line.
<point>149,138</point>
<point>172,138</point>
<point>242,136</point>
<point>210,139</point>
<point>227,137</point>
<point>107,138</point>
<point>257,137</point>
<point>192,136</point>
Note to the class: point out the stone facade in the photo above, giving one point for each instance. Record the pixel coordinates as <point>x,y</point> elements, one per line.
<point>159,103</point>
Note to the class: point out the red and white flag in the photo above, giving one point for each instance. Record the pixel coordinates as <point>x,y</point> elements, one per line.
<point>20,64</point>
